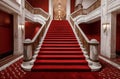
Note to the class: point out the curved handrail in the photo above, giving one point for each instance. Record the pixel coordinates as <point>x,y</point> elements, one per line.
<point>82,37</point>
<point>33,10</point>
<point>86,11</point>
<point>41,12</point>
<point>35,41</point>
<point>82,33</point>
<point>79,12</point>
<point>29,7</point>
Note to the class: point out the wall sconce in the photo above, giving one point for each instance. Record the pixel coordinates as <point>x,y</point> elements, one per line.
<point>21,26</point>
<point>105,26</point>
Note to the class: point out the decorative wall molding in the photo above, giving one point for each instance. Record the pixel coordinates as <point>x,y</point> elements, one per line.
<point>11,5</point>
<point>113,5</point>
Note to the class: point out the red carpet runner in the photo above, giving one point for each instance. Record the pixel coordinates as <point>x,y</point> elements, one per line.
<point>60,50</point>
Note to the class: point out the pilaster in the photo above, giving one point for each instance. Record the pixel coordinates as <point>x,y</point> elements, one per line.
<point>19,31</point>
<point>108,31</point>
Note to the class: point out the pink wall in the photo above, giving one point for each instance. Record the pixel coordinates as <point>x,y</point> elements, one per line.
<point>92,30</point>
<point>31,29</point>
<point>118,35</point>
<point>6,32</point>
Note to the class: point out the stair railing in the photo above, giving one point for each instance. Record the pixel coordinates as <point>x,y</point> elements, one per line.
<point>84,41</point>
<point>31,45</point>
<point>89,47</point>
<point>33,10</point>
<point>86,11</point>
<point>29,7</point>
<point>41,12</point>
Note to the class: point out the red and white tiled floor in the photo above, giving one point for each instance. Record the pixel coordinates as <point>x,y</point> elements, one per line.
<point>14,71</point>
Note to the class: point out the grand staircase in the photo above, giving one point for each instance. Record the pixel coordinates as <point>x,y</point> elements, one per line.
<point>60,50</point>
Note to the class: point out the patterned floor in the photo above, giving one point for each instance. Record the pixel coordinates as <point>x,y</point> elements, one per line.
<point>14,71</point>
<point>109,72</point>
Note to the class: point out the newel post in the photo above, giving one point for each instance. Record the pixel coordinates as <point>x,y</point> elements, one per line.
<point>27,56</point>
<point>27,50</point>
<point>94,55</point>
<point>94,49</point>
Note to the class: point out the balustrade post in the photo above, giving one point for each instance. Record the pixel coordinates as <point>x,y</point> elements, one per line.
<point>94,55</point>
<point>94,50</point>
<point>27,50</point>
<point>27,55</point>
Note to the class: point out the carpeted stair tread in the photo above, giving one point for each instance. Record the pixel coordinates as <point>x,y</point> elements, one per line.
<point>60,40</point>
<point>61,48</point>
<point>59,45</point>
<point>60,36</point>
<point>61,68</point>
<point>60,53</point>
<point>59,32</point>
<point>68,40</point>
<point>60,57</point>
<point>61,62</point>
